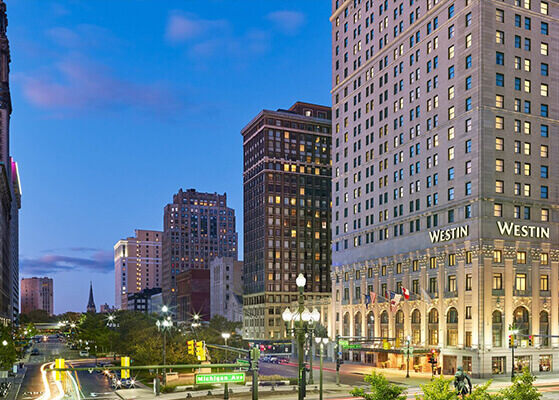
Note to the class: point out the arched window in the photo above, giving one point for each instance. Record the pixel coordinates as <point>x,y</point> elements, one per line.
<point>433,327</point>
<point>416,327</point>
<point>370,324</point>
<point>497,335</point>
<point>384,324</point>
<point>451,327</point>
<point>357,321</point>
<point>399,319</point>
<point>452,316</point>
<point>522,320</point>
<point>346,325</point>
<point>544,328</point>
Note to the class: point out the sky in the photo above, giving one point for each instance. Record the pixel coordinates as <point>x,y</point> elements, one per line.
<point>119,103</point>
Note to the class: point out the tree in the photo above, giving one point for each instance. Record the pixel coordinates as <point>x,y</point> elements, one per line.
<point>480,392</point>
<point>522,388</point>
<point>438,389</point>
<point>8,352</point>
<point>36,316</point>
<point>381,389</point>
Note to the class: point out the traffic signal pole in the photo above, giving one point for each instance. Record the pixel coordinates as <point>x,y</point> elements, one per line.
<point>338,352</point>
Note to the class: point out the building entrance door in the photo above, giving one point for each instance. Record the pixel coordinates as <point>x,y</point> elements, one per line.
<point>449,365</point>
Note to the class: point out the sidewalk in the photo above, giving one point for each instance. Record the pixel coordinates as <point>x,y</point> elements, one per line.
<point>16,380</point>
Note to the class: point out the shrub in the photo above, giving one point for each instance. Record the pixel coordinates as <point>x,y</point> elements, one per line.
<point>438,389</point>
<point>522,388</point>
<point>381,389</point>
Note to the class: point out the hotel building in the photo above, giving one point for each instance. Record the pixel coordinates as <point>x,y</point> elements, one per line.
<point>137,265</point>
<point>445,120</point>
<point>287,196</point>
<point>197,228</point>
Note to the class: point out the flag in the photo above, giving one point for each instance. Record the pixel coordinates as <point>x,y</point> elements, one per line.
<point>373,297</point>
<point>394,300</point>
<point>406,293</point>
<point>425,296</point>
<point>367,300</point>
<point>386,295</point>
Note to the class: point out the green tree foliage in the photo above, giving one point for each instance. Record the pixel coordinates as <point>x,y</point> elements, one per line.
<point>381,389</point>
<point>8,352</point>
<point>438,389</point>
<point>36,316</point>
<point>480,392</point>
<point>522,388</point>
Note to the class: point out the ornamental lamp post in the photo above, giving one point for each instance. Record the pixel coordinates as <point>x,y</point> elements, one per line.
<point>322,342</point>
<point>314,318</point>
<point>300,320</point>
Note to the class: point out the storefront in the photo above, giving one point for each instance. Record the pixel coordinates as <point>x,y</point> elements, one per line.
<point>498,365</point>
<point>521,362</point>
<point>546,362</point>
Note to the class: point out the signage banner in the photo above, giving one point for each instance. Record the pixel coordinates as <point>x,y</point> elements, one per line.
<point>229,377</point>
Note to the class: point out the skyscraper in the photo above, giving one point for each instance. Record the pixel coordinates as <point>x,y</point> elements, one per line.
<point>287,196</point>
<point>37,294</point>
<point>10,193</point>
<point>445,116</point>
<point>197,227</point>
<point>137,264</point>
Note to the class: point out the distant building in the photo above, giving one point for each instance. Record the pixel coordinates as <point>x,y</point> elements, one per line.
<point>142,301</point>
<point>197,228</point>
<point>137,264</point>
<point>226,282</point>
<point>37,294</point>
<point>91,303</point>
<point>287,183</point>
<point>193,294</point>
<point>105,308</point>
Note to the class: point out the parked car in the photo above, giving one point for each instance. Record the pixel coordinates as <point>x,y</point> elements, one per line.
<point>84,353</point>
<point>35,352</point>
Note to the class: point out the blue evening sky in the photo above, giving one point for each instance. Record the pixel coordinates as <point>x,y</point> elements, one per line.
<point>118,104</point>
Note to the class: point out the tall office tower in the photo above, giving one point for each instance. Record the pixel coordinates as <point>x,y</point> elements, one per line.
<point>10,195</point>
<point>137,265</point>
<point>197,228</point>
<point>37,294</point>
<point>287,196</point>
<point>445,116</point>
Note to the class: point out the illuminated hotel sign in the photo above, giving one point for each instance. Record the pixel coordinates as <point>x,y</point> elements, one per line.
<point>444,235</point>
<point>512,229</point>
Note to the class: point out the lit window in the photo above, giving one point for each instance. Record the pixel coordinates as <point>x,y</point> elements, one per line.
<point>451,112</point>
<point>499,187</point>
<point>500,37</point>
<point>544,49</point>
<point>499,165</point>
<point>499,122</point>
<point>451,92</point>
<point>468,40</point>
<point>544,8</point>
<point>545,215</point>
<point>451,52</point>
<point>499,144</point>
<point>498,210</point>
<point>544,89</point>
<point>499,101</point>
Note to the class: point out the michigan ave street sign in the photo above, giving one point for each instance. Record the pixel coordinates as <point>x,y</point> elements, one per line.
<point>229,377</point>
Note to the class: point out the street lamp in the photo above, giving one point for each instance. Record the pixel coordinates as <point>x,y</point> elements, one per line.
<point>322,342</point>
<point>407,352</point>
<point>112,324</point>
<point>300,320</point>
<point>163,325</point>
<point>225,336</point>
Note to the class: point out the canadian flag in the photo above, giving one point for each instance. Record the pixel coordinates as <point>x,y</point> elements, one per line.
<point>406,293</point>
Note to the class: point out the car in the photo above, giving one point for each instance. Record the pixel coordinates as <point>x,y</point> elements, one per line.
<point>35,352</point>
<point>282,360</point>
<point>84,353</point>
<point>73,347</point>
<point>273,360</point>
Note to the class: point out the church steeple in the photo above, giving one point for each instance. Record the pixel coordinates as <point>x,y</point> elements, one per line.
<point>91,304</point>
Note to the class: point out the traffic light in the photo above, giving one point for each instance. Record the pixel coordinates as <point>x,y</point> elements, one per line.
<point>530,340</point>
<point>511,341</point>
<point>190,346</point>
<point>254,355</point>
<point>124,362</point>
<point>201,351</point>
<point>59,363</point>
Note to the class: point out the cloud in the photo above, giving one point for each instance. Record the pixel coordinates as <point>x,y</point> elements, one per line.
<point>288,22</point>
<point>100,261</point>
<point>80,84</point>
<point>182,27</point>
<point>83,36</point>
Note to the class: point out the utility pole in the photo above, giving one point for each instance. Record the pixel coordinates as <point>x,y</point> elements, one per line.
<point>338,359</point>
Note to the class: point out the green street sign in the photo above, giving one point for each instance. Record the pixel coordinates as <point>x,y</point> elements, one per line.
<point>353,346</point>
<point>230,377</point>
<point>344,343</point>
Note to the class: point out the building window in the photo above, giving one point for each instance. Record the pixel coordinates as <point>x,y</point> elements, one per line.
<point>544,259</point>
<point>452,283</point>
<point>520,282</point>
<point>521,257</point>
<point>499,165</point>
<point>499,186</point>
<point>497,210</point>
<point>497,281</point>
<point>497,256</point>
<point>468,282</point>
<point>544,283</point>
<point>499,122</point>
<point>432,262</point>
<point>545,215</point>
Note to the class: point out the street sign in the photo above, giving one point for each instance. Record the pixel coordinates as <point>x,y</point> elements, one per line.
<point>344,343</point>
<point>353,346</point>
<point>229,377</point>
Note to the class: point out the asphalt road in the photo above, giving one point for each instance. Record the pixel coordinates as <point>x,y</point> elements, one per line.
<point>290,371</point>
<point>94,385</point>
